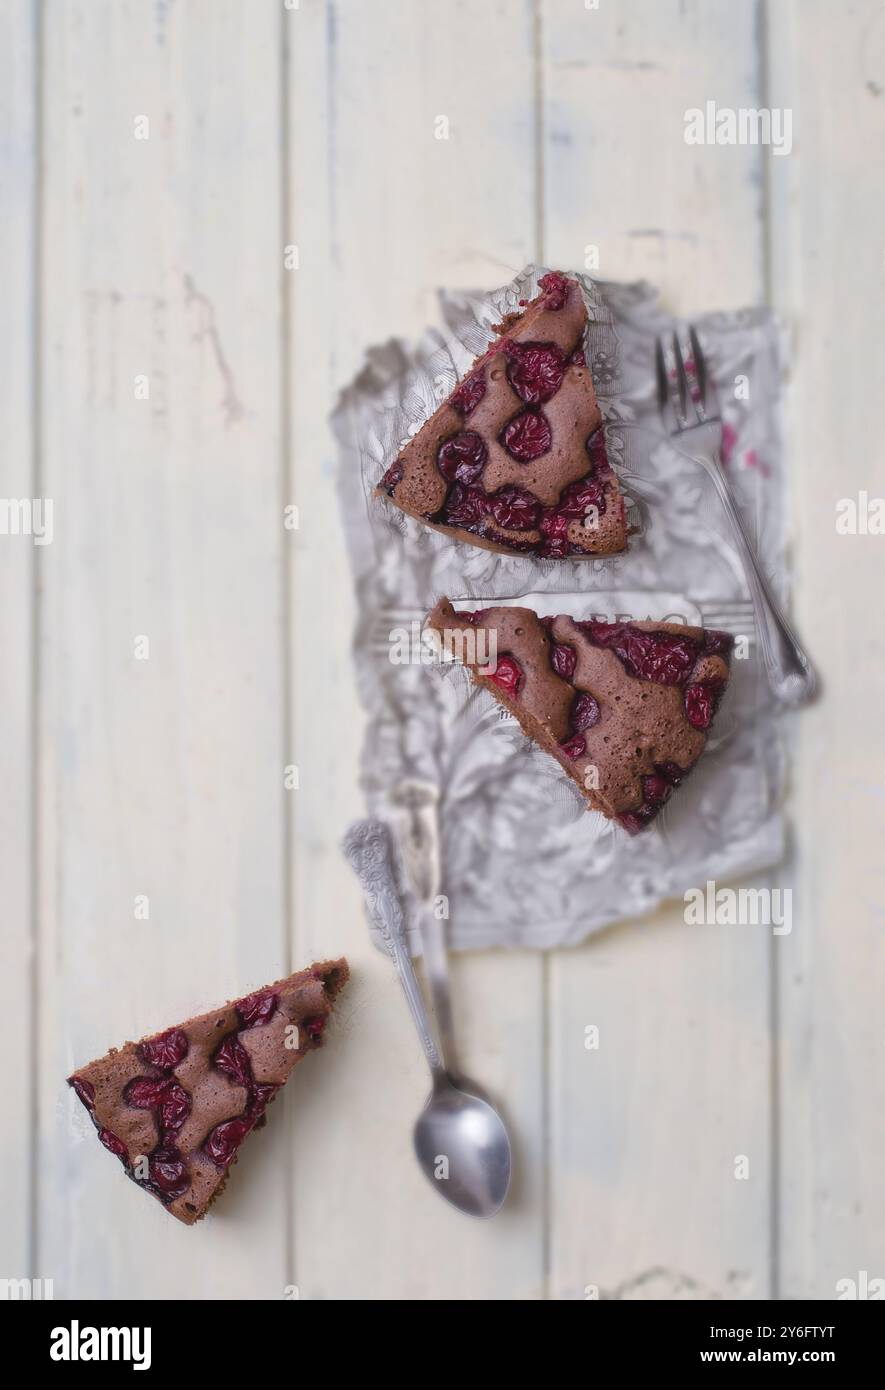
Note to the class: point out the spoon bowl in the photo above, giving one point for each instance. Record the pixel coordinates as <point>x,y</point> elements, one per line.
<point>463,1148</point>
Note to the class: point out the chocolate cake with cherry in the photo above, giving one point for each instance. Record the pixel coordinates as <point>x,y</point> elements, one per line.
<point>624,707</point>
<point>514,460</point>
<point>176,1107</point>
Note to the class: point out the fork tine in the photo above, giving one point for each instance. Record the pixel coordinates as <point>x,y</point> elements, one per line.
<point>668,388</point>
<point>700,365</point>
<point>681,378</point>
<point>661,376</point>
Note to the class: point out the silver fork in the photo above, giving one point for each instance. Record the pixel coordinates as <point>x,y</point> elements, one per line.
<point>690,411</point>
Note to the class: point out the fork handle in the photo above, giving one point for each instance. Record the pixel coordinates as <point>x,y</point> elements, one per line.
<point>789,671</point>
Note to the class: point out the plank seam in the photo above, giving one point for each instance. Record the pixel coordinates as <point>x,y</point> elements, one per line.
<point>547,1135</point>
<point>36,409</point>
<point>287,566</point>
<point>538,44</point>
<point>774,1090</point>
<point>546,1069</point>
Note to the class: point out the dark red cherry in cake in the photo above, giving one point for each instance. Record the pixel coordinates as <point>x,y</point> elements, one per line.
<point>555,289</point>
<point>146,1092</point>
<point>563,659</point>
<point>465,506</point>
<point>717,643</point>
<point>257,1008</point>
<point>527,436</point>
<point>233,1059</point>
<point>578,498</point>
<point>226,1138</point>
<point>651,656</point>
<point>174,1108</point>
<point>393,476</point>
<point>166,1051</point>
<point>506,674</point>
<point>468,395</point>
<point>574,747</point>
<point>700,703</point>
<point>585,712</point>
<point>111,1142</point>
<point>169,1172</point>
<point>462,458</point>
<point>85,1092</point>
<point>514,508</point>
<point>259,1098</point>
<point>535,370</point>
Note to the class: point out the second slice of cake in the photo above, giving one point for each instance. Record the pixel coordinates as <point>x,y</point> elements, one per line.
<point>624,707</point>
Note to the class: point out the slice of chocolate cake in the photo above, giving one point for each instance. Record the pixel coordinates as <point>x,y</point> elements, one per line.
<point>514,460</point>
<point>176,1107</point>
<point>624,707</point>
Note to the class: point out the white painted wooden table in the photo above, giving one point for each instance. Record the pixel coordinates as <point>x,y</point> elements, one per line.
<point>274,125</point>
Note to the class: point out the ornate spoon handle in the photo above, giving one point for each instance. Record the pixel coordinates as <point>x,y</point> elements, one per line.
<point>367,848</point>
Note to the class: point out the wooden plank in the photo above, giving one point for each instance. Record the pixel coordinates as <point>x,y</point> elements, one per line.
<point>828,251</point>
<point>162,776</point>
<point>617,82</point>
<point>384,213</point>
<point>646,1129</point>
<point>20,560</point>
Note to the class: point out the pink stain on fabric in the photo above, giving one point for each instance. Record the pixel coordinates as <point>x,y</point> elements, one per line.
<point>752,460</point>
<point>729,439</point>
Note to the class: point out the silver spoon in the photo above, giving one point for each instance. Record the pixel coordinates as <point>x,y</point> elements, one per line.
<point>460,1139</point>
